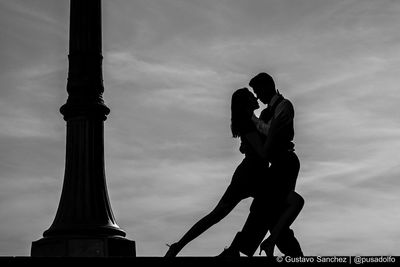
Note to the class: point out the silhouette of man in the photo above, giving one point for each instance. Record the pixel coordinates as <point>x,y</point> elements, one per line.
<point>268,205</point>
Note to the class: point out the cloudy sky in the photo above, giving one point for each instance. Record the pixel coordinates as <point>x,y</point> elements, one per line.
<point>170,67</point>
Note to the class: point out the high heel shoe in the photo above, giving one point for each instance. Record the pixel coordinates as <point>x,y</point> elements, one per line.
<point>268,247</point>
<point>172,251</point>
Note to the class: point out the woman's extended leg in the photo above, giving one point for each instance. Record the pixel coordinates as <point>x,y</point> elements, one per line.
<point>227,203</point>
<point>295,203</point>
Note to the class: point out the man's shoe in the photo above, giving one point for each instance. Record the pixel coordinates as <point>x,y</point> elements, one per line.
<point>229,253</point>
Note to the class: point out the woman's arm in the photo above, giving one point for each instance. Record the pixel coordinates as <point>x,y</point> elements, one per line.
<point>261,126</point>
<point>263,148</point>
<point>275,127</point>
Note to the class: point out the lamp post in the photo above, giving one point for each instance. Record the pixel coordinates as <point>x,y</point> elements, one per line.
<point>84,224</point>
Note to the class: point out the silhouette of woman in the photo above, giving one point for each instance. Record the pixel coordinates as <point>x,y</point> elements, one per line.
<point>247,178</point>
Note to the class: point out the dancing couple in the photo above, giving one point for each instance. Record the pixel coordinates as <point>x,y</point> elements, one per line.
<point>268,173</point>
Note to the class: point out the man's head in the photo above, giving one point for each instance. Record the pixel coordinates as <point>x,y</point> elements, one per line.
<point>263,86</point>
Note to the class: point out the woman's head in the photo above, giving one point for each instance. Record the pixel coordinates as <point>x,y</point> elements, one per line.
<point>242,107</point>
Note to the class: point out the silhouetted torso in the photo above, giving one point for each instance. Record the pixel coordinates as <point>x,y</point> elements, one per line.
<point>283,141</point>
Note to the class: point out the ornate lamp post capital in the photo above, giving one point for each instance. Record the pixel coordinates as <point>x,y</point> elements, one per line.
<point>85,73</point>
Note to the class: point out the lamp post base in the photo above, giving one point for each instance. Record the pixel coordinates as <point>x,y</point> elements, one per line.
<point>83,246</point>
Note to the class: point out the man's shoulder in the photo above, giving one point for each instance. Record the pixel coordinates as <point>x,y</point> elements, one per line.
<point>285,107</point>
<point>286,102</point>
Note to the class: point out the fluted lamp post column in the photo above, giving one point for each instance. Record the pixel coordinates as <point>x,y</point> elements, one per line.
<point>84,224</point>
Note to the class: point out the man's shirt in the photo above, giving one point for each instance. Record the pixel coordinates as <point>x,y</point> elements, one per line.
<point>281,131</point>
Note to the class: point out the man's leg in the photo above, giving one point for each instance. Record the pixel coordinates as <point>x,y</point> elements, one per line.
<point>262,212</point>
<point>287,242</point>
<point>261,219</point>
<point>265,212</point>
<point>255,228</point>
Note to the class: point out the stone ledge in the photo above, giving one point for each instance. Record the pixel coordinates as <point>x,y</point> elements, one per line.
<point>147,261</point>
